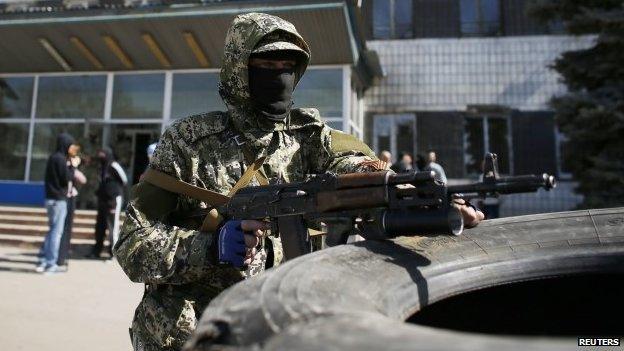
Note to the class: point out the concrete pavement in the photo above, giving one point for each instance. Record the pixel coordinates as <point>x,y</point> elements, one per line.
<point>88,308</point>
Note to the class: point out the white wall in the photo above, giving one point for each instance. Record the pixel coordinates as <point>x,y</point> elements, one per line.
<point>449,74</point>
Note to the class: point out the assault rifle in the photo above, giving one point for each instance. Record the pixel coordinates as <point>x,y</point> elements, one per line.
<point>375,205</point>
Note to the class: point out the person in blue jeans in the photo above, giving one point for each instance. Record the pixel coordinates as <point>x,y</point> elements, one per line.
<point>58,173</point>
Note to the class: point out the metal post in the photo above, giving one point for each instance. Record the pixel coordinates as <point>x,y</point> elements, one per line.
<point>166,115</point>
<point>346,97</point>
<point>108,108</point>
<point>31,128</point>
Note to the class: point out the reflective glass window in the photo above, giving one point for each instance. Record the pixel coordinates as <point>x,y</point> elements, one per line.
<point>195,93</point>
<point>381,19</point>
<point>138,95</point>
<point>498,140</point>
<point>469,16</point>
<point>443,132</point>
<point>478,142</point>
<point>474,145</point>
<point>15,97</point>
<point>480,17</point>
<point>383,130</point>
<point>321,89</point>
<point>405,134</point>
<point>13,148</point>
<point>392,19</point>
<point>71,97</point>
<point>403,19</point>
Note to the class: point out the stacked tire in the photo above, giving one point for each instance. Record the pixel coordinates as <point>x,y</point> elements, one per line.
<point>359,296</point>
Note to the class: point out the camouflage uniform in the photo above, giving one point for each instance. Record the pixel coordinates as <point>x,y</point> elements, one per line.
<point>160,244</point>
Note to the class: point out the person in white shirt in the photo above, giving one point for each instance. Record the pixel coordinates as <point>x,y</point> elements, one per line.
<point>113,180</point>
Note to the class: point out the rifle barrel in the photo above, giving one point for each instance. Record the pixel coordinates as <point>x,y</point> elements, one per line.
<point>506,185</point>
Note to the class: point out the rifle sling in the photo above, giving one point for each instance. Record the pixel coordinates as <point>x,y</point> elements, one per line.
<point>250,172</point>
<point>177,186</point>
<point>212,198</point>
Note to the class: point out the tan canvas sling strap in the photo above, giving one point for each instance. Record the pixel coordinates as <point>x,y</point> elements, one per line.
<point>259,172</point>
<point>174,185</point>
<point>250,172</point>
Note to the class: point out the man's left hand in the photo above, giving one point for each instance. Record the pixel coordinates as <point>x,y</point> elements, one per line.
<point>471,216</point>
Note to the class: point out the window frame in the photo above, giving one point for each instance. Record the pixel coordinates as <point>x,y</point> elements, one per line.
<point>393,35</point>
<point>484,116</point>
<point>480,22</point>
<point>347,123</point>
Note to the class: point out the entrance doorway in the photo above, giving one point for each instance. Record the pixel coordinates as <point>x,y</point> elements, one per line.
<point>130,142</point>
<point>140,162</point>
<point>394,133</point>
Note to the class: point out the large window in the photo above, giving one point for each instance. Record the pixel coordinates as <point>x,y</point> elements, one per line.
<point>15,97</point>
<point>13,146</point>
<point>71,97</point>
<point>442,132</point>
<point>394,133</point>
<point>134,117</point>
<point>480,17</point>
<point>195,93</point>
<point>138,96</point>
<point>322,89</point>
<point>486,134</point>
<point>392,19</point>
<point>437,131</point>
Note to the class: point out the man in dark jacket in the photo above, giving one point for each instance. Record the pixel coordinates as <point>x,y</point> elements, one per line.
<point>403,164</point>
<point>109,193</point>
<point>59,172</point>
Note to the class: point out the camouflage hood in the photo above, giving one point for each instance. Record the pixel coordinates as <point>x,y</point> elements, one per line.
<point>248,32</point>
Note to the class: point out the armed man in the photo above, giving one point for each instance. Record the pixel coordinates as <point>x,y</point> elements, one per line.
<point>260,139</point>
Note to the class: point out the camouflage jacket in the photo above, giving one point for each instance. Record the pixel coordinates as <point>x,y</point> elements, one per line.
<point>160,244</point>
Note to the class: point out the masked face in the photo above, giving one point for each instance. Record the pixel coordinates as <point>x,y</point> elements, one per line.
<point>271,83</point>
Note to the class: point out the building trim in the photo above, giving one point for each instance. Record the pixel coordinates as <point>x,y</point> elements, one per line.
<point>194,12</point>
<point>152,71</point>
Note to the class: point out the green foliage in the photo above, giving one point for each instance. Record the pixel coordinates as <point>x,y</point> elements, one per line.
<point>591,115</point>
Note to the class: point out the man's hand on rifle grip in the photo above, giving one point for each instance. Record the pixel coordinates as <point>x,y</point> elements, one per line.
<point>238,240</point>
<point>472,216</point>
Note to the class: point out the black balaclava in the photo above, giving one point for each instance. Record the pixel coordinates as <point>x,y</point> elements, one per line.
<point>271,89</point>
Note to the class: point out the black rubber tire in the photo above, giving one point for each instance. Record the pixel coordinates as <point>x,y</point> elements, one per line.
<point>356,297</point>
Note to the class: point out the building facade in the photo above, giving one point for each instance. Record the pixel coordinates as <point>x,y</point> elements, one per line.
<point>461,77</point>
<point>465,77</point>
<point>118,73</point>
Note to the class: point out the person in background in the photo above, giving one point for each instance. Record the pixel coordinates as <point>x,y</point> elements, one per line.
<point>113,179</point>
<point>58,173</point>
<point>420,162</point>
<point>432,165</point>
<point>150,151</point>
<point>404,164</point>
<point>150,155</point>
<point>385,156</point>
<point>72,193</point>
